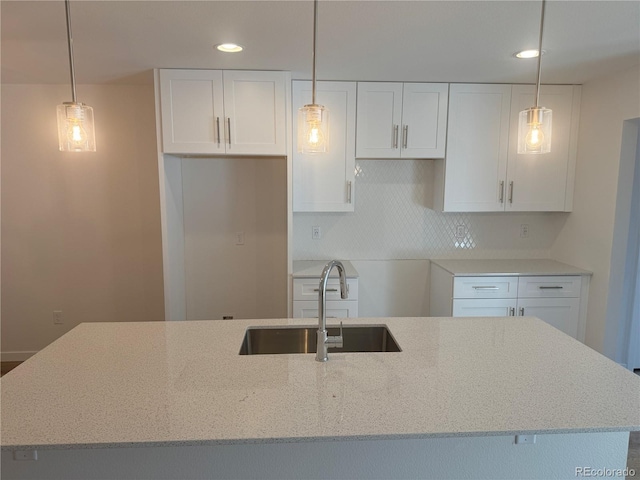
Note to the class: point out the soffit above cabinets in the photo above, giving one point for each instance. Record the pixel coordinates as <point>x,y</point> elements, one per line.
<point>409,41</point>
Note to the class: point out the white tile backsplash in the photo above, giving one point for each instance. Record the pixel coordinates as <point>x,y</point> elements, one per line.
<point>393,219</point>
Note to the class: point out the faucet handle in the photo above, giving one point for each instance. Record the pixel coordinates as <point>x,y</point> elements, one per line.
<point>336,341</point>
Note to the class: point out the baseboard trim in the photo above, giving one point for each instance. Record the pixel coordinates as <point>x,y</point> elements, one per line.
<point>16,356</point>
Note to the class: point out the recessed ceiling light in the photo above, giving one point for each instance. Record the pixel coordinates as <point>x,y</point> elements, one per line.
<point>528,54</point>
<point>230,47</point>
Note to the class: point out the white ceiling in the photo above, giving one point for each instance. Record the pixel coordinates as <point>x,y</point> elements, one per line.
<point>452,41</point>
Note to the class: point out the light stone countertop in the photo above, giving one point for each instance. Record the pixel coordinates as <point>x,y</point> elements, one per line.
<point>313,269</point>
<point>468,268</point>
<point>183,383</point>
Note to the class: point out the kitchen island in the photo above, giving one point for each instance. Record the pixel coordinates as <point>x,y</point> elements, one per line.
<point>176,400</point>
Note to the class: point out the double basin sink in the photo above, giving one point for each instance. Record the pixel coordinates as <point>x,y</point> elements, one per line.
<point>279,340</point>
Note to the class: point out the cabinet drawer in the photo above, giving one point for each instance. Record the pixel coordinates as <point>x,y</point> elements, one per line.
<point>307,288</point>
<point>549,287</point>
<point>485,287</point>
<point>335,309</point>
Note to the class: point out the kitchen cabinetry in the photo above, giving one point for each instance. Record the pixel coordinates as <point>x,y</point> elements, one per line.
<point>556,299</point>
<point>483,171</point>
<point>401,120</point>
<point>325,182</point>
<point>223,112</point>
<point>306,284</point>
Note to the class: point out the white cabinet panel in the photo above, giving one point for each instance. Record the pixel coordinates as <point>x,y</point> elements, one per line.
<point>223,112</point>
<point>424,120</point>
<point>324,182</point>
<point>484,307</point>
<point>540,181</point>
<point>477,145</point>
<point>309,309</point>
<point>307,288</point>
<point>192,111</point>
<point>255,112</point>
<point>485,287</point>
<point>379,115</point>
<point>562,313</point>
<point>401,120</point>
<point>551,286</point>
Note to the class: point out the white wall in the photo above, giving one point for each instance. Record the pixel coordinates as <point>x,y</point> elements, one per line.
<point>587,236</point>
<point>224,196</point>
<point>80,231</point>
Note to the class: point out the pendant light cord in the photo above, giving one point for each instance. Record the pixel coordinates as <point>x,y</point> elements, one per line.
<point>313,70</point>
<point>540,53</point>
<point>70,42</point>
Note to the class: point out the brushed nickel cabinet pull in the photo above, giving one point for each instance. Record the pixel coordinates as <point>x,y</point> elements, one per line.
<point>511,192</point>
<point>512,312</point>
<point>348,192</point>
<point>218,129</point>
<point>483,287</point>
<point>555,287</point>
<point>229,125</point>
<point>405,136</point>
<point>522,311</point>
<point>328,289</point>
<point>501,191</point>
<point>395,136</point>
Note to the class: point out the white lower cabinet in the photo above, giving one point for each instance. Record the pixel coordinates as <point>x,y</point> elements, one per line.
<point>335,309</point>
<point>555,299</point>
<point>305,298</point>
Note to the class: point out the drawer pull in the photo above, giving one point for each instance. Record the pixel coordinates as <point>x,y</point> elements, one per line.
<point>557,287</point>
<point>512,312</point>
<point>522,311</point>
<point>328,289</point>
<point>487,287</point>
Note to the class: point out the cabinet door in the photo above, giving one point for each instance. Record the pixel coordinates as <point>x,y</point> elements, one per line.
<point>191,106</point>
<point>541,182</point>
<point>379,120</point>
<point>424,120</point>
<point>562,313</point>
<point>255,112</point>
<point>324,182</point>
<point>477,145</point>
<point>484,307</point>
<point>335,309</point>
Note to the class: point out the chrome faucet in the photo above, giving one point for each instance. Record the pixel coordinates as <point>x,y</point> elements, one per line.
<point>324,341</point>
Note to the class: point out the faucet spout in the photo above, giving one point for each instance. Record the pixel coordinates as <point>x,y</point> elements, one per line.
<point>324,340</point>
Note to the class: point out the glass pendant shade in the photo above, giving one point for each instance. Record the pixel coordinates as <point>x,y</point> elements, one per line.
<point>534,130</point>
<point>76,132</point>
<point>313,129</point>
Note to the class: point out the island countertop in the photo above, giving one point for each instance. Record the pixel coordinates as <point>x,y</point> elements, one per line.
<point>184,383</point>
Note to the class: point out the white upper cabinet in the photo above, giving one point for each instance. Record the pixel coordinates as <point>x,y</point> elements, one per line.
<point>544,182</point>
<point>396,120</point>
<point>324,182</point>
<point>483,171</point>
<point>223,112</point>
<point>477,146</point>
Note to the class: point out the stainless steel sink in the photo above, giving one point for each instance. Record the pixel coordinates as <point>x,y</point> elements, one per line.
<point>274,340</point>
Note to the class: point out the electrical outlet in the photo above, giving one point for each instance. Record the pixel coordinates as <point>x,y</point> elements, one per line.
<point>524,230</point>
<point>316,233</point>
<point>57,317</point>
<point>227,317</point>
<point>239,238</point>
<point>461,231</point>
<point>525,439</point>
<point>25,455</point>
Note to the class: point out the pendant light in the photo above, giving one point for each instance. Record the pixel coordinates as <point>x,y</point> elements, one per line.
<point>75,120</point>
<point>534,125</point>
<point>313,119</point>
